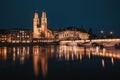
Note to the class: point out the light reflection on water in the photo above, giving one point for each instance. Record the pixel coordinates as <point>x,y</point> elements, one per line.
<point>40,59</point>
<point>75,52</point>
<point>42,54</point>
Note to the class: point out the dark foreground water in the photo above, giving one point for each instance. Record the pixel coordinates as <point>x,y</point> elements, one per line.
<point>59,63</point>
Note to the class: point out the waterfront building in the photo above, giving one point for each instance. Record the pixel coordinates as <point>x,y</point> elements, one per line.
<point>16,36</point>
<point>20,36</point>
<point>40,30</point>
<point>41,33</point>
<point>71,33</point>
<point>3,35</point>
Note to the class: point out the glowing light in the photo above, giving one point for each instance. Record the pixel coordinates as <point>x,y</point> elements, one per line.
<point>14,56</point>
<point>80,57</point>
<point>97,49</point>
<point>22,58</point>
<point>101,31</point>
<point>36,66</point>
<point>111,32</point>
<point>103,63</point>
<point>112,60</point>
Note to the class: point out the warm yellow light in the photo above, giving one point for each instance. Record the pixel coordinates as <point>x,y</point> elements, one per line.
<point>112,60</point>
<point>103,63</point>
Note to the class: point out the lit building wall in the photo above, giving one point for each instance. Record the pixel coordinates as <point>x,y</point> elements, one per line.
<point>15,36</point>
<point>69,34</point>
<point>35,25</point>
<point>41,30</point>
<point>20,36</point>
<point>3,36</point>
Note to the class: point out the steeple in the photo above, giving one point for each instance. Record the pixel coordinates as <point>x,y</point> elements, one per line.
<point>35,24</point>
<point>36,15</point>
<point>43,14</point>
<point>44,21</point>
<point>36,19</point>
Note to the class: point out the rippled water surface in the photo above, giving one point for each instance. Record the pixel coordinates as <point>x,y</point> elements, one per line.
<point>53,62</point>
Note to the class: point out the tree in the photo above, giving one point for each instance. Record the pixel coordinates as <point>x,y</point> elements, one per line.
<point>90,31</point>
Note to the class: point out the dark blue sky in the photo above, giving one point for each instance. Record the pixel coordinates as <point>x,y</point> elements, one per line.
<point>98,14</point>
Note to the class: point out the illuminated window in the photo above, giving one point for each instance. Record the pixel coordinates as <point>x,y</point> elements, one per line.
<point>18,36</point>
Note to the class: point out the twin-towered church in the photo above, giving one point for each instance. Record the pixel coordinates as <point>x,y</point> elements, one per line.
<point>40,30</point>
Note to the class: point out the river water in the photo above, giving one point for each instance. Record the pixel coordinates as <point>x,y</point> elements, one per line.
<point>58,62</point>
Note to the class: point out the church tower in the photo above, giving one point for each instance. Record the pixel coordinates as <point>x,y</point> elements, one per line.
<point>40,30</point>
<point>35,25</point>
<point>44,21</point>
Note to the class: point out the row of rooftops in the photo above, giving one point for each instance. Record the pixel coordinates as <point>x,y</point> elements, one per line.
<point>63,29</point>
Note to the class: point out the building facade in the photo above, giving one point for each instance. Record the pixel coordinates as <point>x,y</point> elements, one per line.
<point>20,36</point>
<point>73,35</point>
<point>41,33</point>
<point>16,36</point>
<point>40,30</point>
<point>3,36</point>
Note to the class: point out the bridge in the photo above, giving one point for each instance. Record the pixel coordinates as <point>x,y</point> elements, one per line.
<point>108,42</point>
<point>98,41</point>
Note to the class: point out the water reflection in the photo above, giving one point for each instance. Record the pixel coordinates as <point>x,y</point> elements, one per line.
<point>103,63</point>
<point>112,60</point>
<point>71,53</point>
<point>40,59</point>
<point>41,55</point>
<point>16,52</point>
<point>22,53</point>
<point>19,52</point>
<point>3,53</point>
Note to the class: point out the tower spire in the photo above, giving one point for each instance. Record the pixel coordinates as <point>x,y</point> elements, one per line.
<point>44,21</point>
<point>35,24</point>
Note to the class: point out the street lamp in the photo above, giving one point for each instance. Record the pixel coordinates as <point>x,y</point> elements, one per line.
<point>101,33</point>
<point>111,34</point>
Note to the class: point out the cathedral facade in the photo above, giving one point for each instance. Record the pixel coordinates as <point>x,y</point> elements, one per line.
<point>40,30</point>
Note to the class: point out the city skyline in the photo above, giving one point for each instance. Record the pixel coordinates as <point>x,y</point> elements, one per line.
<point>59,39</point>
<point>99,15</point>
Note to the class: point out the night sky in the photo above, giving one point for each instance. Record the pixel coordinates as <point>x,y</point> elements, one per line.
<point>97,14</point>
